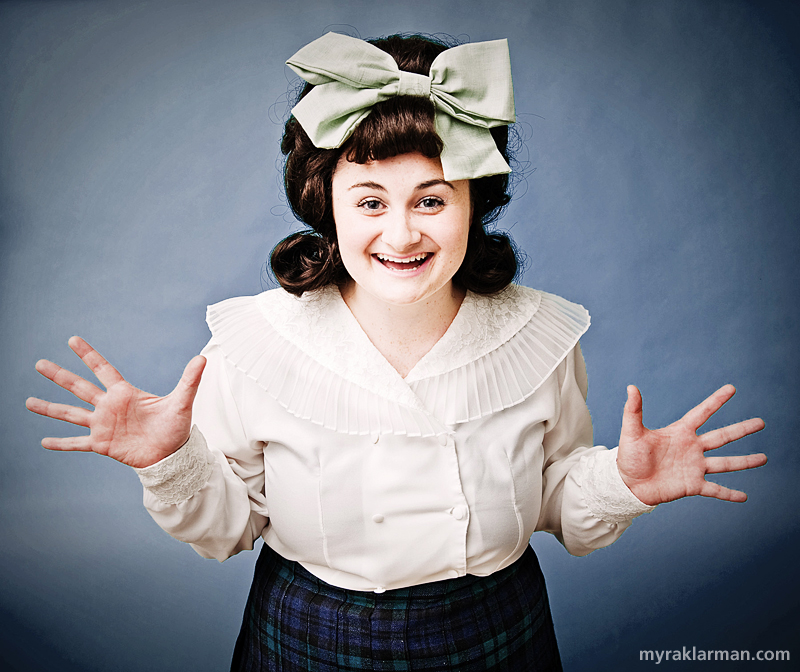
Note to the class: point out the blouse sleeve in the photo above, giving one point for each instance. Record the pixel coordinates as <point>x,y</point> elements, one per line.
<point>212,500</point>
<point>585,502</point>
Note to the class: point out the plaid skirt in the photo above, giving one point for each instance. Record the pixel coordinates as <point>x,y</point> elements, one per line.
<point>294,621</point>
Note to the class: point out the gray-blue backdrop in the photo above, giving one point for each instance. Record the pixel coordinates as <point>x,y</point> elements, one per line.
<point>139,181</point>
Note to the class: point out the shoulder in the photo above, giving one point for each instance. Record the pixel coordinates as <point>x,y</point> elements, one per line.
<point>524,301</point>
<point>502,323</point>
<point>511,309</point>
<point>523,309</point>
<point>291,316</point>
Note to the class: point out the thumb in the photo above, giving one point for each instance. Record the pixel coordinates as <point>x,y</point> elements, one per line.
<point>632,426</point>
<point>186,389</point>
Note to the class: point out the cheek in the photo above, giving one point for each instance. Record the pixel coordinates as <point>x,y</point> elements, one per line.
<point>353,242</point>
<point>458,237</point>
<point>457,243</point>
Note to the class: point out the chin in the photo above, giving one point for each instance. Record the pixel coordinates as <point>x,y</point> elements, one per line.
<point>401,298</point>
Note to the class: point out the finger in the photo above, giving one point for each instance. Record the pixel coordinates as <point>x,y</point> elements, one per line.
<point>632,427</point>
<point>719,465</point>
<point>79,443</point>
<point>105,373</point>
<point>718,491</point>
<point>73,414</point>
<point>71,382</point>
<point>719,437</point>
<point>186,389</point>
<point>704,410</point>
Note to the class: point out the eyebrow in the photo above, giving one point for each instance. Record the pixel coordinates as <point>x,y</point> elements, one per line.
<point>421,185</point>
<point>433,183</point>
<point>367,185</point>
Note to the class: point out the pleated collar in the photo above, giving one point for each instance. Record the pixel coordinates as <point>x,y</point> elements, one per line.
<point>311,355</point>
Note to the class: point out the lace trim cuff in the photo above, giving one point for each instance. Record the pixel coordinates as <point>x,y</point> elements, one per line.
<point>606,494</point>
<point>179,476</point>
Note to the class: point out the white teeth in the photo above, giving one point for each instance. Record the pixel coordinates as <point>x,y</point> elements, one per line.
<point>407,260</point>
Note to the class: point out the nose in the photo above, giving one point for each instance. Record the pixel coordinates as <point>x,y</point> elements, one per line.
<point>399,231</point>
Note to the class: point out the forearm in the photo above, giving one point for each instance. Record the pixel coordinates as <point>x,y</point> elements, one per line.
<point>596,505</point>
<point>585,502</point>
<point>195,496</point>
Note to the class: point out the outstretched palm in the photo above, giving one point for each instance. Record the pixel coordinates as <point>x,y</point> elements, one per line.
<point>127,424</point>
<point>666,464</point>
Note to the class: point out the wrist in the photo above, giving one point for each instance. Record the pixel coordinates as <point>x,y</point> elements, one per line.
<point>179,476</point>
<point>154,456</point>
<point>607,496</point>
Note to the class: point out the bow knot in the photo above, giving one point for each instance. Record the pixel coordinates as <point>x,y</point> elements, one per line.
<point>412,84</point>
<point>470,86</point>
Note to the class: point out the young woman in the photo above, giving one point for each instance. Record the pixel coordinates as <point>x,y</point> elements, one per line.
<point>399,418</point>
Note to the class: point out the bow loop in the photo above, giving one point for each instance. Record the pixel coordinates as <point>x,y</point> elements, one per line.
<point>470,86</point>
<point>344,59</point>
<point>472,82</point>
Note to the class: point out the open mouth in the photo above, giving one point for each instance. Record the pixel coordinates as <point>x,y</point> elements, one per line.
<point>405,264</point>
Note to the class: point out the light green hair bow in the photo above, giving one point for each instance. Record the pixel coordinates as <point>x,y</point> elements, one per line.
<point>470,86</point>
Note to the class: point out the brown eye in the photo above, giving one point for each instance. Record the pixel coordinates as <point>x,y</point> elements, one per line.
<point>370,204</point>
<point>431,202</point>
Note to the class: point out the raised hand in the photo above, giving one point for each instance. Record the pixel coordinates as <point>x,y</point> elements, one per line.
<point>127,424</point>
<point>666,464</point>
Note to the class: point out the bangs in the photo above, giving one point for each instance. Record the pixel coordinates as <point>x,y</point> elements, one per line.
<point>400,125</point>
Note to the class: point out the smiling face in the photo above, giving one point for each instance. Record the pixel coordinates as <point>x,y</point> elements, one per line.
<point>402,229</point>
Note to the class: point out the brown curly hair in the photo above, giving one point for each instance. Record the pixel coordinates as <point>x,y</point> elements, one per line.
<point>310,259</point>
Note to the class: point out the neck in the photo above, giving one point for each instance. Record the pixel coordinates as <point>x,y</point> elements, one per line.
<point>403,334</point>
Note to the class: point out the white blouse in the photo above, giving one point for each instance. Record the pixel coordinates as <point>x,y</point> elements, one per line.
<point>306,436</point>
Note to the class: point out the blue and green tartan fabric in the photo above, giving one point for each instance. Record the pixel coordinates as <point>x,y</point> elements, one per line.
<point>294,621</point>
